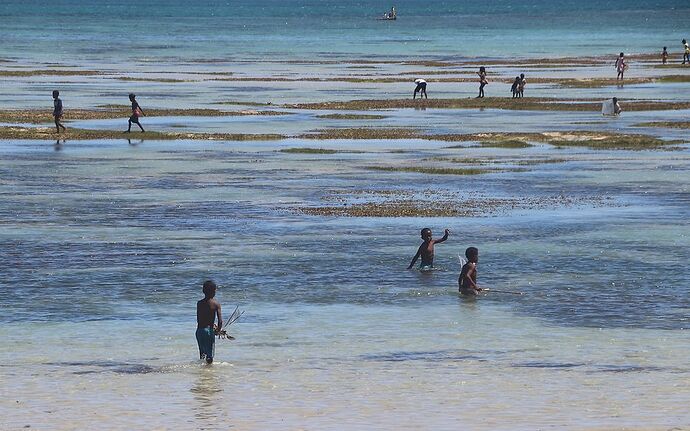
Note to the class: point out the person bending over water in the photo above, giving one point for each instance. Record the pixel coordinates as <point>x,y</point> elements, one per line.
<point>467,282</point>
<point>482,81</point>
<point>136,113</point>
<point>206,311</point>
<point>426,250</point>
<point>421,88</point>
<point>57,110</point>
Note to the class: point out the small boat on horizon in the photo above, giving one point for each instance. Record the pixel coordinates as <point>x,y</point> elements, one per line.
<point>391,15</point>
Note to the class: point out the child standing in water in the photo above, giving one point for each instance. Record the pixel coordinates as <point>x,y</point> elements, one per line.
<point>467,282</point>
<point>664,56</point>
<point>136,113</point>
<point>686,51</point>
<point>620,66</point>
<point>482,81</point>
<point>515,88</point>
<point>426,250</point>
<point>206,311</point>
<point>57,110</point>
<point>521,85</point>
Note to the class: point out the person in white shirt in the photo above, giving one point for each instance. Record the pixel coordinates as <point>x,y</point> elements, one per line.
<point>421,88</point>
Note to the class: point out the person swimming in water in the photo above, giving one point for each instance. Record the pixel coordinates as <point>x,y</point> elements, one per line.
<point>426,249</point>
<point>467,281</point>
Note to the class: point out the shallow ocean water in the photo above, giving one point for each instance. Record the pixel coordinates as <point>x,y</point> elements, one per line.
<point>106,245</point>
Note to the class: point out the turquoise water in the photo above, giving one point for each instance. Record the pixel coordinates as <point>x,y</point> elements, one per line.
<point>101,31</point>
<point>104,244</point>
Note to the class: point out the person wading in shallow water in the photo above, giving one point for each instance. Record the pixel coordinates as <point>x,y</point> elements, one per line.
<point>426,249</point>
<point>206,311</point>
<point>136,113</point>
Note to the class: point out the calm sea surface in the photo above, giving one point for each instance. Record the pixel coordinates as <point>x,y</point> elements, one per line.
<point>101,31</point>
<point>104,244</point>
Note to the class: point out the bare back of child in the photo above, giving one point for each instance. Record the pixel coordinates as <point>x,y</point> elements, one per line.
<point>467,281</point>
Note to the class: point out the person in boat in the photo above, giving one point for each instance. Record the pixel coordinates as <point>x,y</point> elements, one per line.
<point>392,14</point>
<point>206,311</point>
<point>467,282</point>
<point>421,88</point>
<point>426,249</point>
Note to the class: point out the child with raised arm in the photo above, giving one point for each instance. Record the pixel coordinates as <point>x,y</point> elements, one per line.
<point>467,282</point>
<point>206,311</point>
<point>426,250</point>
<point>57,110</point>
<point>136,113</point>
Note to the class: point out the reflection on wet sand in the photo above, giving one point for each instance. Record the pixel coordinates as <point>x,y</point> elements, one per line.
<point>207,392</point>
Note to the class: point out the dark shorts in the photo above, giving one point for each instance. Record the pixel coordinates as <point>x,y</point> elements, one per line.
<point>134,119</point>
<point>420,87</point>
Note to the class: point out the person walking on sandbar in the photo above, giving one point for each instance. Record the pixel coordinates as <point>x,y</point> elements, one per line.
<point>136,113</point>
<point>57,111</point>
<point>621,66</point>
<point>482,81</point>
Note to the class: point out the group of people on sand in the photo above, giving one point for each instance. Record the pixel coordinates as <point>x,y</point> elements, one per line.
<point>58,112</point>
<point>518,87</point>
<point>621,65</point>
<point>686,53</point>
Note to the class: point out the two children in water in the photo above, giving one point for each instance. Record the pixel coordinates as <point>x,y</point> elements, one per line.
<point>467,281</point>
